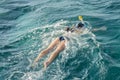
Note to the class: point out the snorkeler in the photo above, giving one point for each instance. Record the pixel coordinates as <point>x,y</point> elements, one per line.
<point>59,44</point>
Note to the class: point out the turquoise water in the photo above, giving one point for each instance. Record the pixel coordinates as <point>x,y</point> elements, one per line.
<point>28,26</point>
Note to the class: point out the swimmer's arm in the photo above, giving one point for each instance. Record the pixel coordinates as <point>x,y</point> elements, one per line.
<point>99,29</point>
<point>94,30</point>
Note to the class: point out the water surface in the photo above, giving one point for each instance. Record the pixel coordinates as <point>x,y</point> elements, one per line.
<point>28,26</point>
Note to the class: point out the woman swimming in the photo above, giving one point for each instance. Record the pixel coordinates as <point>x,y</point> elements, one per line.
<point>58,44</point>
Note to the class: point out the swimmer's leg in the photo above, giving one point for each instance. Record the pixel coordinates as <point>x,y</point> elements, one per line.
<point>59,48</point>
<point>45,51</point>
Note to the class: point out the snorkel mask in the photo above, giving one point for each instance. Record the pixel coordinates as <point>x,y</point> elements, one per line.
<point>79,25</point>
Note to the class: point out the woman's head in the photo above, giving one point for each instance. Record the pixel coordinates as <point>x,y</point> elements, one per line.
<point>79,25</point>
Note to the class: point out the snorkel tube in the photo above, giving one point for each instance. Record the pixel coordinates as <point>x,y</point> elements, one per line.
<point>81,19</point>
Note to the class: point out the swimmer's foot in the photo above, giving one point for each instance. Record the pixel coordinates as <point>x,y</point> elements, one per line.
<point>46,64</point>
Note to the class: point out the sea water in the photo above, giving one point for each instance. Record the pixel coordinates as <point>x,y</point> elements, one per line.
<point>28,26</point>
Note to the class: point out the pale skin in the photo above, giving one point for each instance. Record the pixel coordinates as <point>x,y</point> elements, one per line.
<point>60,45</point>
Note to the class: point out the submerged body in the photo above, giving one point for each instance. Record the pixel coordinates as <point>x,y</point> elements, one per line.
<point>59,44</point>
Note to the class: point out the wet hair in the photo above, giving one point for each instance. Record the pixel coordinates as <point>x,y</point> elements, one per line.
<point>80,25</point>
